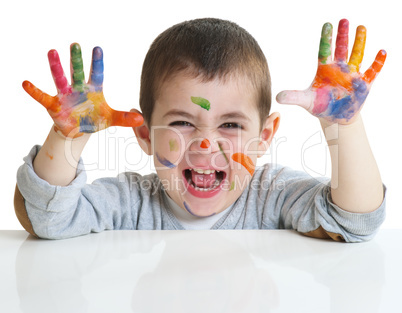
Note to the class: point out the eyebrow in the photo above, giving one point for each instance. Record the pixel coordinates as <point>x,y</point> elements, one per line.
<point>235,115</point>
<point>224,117</point>
<point>180,113</point>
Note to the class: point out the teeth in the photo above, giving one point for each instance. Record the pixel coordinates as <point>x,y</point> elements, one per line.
<point>215,184</point>
<point>201,171</point>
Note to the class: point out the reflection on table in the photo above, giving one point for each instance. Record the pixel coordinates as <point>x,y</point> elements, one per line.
<point>200,271</point>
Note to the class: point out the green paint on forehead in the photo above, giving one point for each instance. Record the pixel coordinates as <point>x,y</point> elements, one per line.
<point>203,103</point>
<point>174,146</point>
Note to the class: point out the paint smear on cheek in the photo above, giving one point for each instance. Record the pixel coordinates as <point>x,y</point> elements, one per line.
<point>203,103</point>
<point>220,148</point>
<point>245,161</point>
<point>232,186</point>
<point>173,145</point>
<point>164,162</point>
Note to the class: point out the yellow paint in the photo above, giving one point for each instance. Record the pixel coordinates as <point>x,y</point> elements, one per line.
<point>358,49</point>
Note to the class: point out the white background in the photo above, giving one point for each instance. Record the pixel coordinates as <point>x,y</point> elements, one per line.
<point>288,31</point>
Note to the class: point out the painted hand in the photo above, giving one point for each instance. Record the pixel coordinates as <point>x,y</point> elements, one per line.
<point>80,107</point>
<point>339,89</point>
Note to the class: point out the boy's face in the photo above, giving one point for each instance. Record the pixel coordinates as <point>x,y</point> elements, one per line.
<point>205,138</point>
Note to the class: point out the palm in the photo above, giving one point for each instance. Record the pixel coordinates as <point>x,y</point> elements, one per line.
<point>339,89</point>
<point>80,107</point>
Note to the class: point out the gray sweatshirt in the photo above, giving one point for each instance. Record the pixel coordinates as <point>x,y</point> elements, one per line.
<point>276,198</point>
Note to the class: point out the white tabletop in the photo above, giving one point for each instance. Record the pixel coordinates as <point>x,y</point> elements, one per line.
<point>199,271</point>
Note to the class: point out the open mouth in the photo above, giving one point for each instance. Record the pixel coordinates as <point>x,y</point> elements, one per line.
<point>204,183</point>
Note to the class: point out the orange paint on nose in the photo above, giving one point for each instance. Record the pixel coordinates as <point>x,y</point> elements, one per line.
<point>245,161</point>
<point>205,144</point>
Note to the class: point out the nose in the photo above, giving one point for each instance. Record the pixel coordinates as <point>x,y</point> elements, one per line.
<point>203,144</point>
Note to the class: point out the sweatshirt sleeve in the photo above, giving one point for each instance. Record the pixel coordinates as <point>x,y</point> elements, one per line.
<point>57,212</point>
<point>304,203</point>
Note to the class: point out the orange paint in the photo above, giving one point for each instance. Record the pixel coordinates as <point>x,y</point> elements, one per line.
<point>49,155</point>
<point>49,102</point>
<point>376,67</point>
<point>205,144</point>
<point>245,161</point>
<point>81,107</point>
<point>332,75</point>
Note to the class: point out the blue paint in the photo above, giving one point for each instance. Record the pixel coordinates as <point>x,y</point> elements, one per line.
<point>344,67</point>
<point>347,107</point>
<point>76,98</point>
<point>164,162</point>
<point>360,88</point>
<point>339,108</point>
<point>97,68</point>
<point>189,210</point>
<point>87,125</point>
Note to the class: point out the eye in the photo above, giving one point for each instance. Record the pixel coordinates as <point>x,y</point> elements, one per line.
<point>231,126</point>
<point>181,124</point>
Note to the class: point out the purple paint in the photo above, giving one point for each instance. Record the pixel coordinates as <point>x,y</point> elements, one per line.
<point>164,162</point>
<point>189,210</point>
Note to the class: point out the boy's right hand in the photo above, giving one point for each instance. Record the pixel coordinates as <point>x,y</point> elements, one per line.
<point>80,107</point>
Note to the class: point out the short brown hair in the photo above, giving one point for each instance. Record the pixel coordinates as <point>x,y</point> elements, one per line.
<point>208,48</point>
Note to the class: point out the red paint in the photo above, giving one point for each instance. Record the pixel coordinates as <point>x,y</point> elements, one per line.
<point>57,72</point>
<point>341,50</point>
<point>205,144</point>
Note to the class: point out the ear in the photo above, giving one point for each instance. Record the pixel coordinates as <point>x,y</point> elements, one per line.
<point>143,135</point>
<point>268,131</point>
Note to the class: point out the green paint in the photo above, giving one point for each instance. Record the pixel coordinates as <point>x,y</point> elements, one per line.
<point>203,103</point>
<point>78,75</point>
<point>220,148</point>
<point>173,145</point>
<point>232,186</point>
<point>325,43</point>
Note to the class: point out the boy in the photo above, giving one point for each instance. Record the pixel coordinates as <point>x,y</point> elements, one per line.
<point>205,99</point>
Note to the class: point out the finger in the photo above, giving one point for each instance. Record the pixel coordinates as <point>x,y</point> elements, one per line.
<point>77,67</point>
<point>96,78</point>
<point>324,53</point>
<point>356,57</point>
<point>341,49</point>
<point>49,102</point>
<point>126,119</point>
<point>376,67</point>
<point>59,78</point>
<point>303,98</point>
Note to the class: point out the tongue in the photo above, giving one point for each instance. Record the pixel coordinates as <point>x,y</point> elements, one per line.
<point>203,180</point>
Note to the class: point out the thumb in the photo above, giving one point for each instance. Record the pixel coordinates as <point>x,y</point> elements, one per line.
<point>303,98</point>
<point>127,119</point>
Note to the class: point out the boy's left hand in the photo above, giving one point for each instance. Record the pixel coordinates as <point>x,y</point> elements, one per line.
<point>339,89</point>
